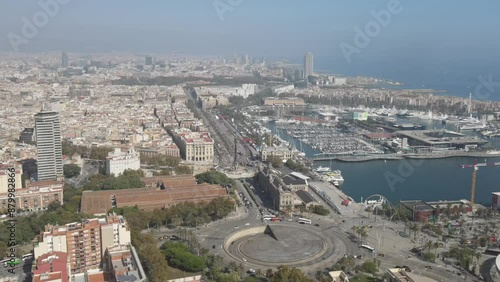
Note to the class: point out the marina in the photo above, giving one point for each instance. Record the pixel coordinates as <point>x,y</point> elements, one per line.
<point>330,139</point>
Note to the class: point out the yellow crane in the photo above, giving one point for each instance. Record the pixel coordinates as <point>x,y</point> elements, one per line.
<point>475,168</point>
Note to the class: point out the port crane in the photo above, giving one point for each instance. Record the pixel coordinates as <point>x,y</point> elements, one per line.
<point>475,168</point>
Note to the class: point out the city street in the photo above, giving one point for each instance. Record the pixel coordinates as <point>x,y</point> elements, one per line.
<point>22,271</point>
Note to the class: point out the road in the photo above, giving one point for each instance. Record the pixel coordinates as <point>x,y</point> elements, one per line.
<point>223,151</point>
<point>383,236</point>
<point>22,272</point>
<point>89,169</point>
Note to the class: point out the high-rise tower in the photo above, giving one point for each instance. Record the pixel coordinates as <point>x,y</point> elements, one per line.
<point>49,147</point>
<point>308,65</point>
<point>64,60</point>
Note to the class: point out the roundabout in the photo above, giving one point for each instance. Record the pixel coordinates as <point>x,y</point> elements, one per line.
<point>272,245</point>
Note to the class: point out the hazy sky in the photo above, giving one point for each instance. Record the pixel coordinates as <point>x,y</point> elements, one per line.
<point>423,30</point>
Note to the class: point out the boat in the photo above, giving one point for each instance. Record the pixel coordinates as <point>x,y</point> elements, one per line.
<point>322,169</point>
<point>472,126</point>
<point>334,177</point>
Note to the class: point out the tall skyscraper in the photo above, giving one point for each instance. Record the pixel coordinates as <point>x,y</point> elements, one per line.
<point>308,65</point>
<point>149,60</point>
<point>64,60</point>
<point>49,147</point>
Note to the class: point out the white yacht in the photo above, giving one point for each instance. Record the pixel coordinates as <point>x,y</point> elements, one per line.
<point>322,169</point>
<point>334,177</point>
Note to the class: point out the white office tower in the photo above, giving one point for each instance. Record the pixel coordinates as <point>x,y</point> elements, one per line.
<point>308,65</point>
<point>49,147</point>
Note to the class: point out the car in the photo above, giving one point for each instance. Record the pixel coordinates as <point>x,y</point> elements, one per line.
<point>428,267</point>
<point>381,255</point>
<point>316,224</point>
<point>247,224</point>
<point>236,227</point>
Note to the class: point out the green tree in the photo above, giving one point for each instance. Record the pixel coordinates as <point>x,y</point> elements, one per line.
<point>214,177</point>
<point>276,162</point>
<point>321,210</point>
<point>71,170</point>
<point>284,273</point>
<point>369,266</point>
<point>3,249</point>
<point>183,170</point>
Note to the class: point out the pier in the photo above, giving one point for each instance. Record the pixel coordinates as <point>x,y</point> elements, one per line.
<point>431,155</point>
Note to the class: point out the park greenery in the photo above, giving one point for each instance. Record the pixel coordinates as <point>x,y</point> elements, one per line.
<point>275,161</point>
<point>285,273</point>
<point>128,179</point>
<point>178,255</point>
<point>94,152</point>
<point>71,170</point>
<point>296,166</point>
<point>320,210</point>
<point>369,266</point>
<point>214,177</point>
<point>160,160</point>
<point>166,165</point>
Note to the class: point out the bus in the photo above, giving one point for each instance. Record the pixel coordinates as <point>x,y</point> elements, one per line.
<point>27,257</point>
<point>11,263</point>
<point>366,247</point>
<point>304,220</point>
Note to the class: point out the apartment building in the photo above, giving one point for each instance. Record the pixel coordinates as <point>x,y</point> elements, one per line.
<point>84,242</point>
<point>37,196</point>
<point>4,177</point>
<point>195,146</point>
<point>123,264</point>
<point>52,267</point>
<point>122,159</point>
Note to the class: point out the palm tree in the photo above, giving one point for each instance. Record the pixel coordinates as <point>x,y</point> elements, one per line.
<point>448,209</point>
<point>415,228</point>
<point>429,246</point>
<point>478,256</point>
<point>258,272</point>
<point>436,246</point>
<point>269,273</point>
<point>363,234</point>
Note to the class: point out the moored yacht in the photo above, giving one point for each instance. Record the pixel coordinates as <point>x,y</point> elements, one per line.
<point>322,169</point>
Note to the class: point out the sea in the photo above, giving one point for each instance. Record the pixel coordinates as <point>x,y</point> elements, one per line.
<point>427,180</point>
<point>460,78</point>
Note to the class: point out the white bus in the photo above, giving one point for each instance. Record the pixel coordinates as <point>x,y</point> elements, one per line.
<point>27,257</point>
<point>304,220</point>
<point>366,247</point>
